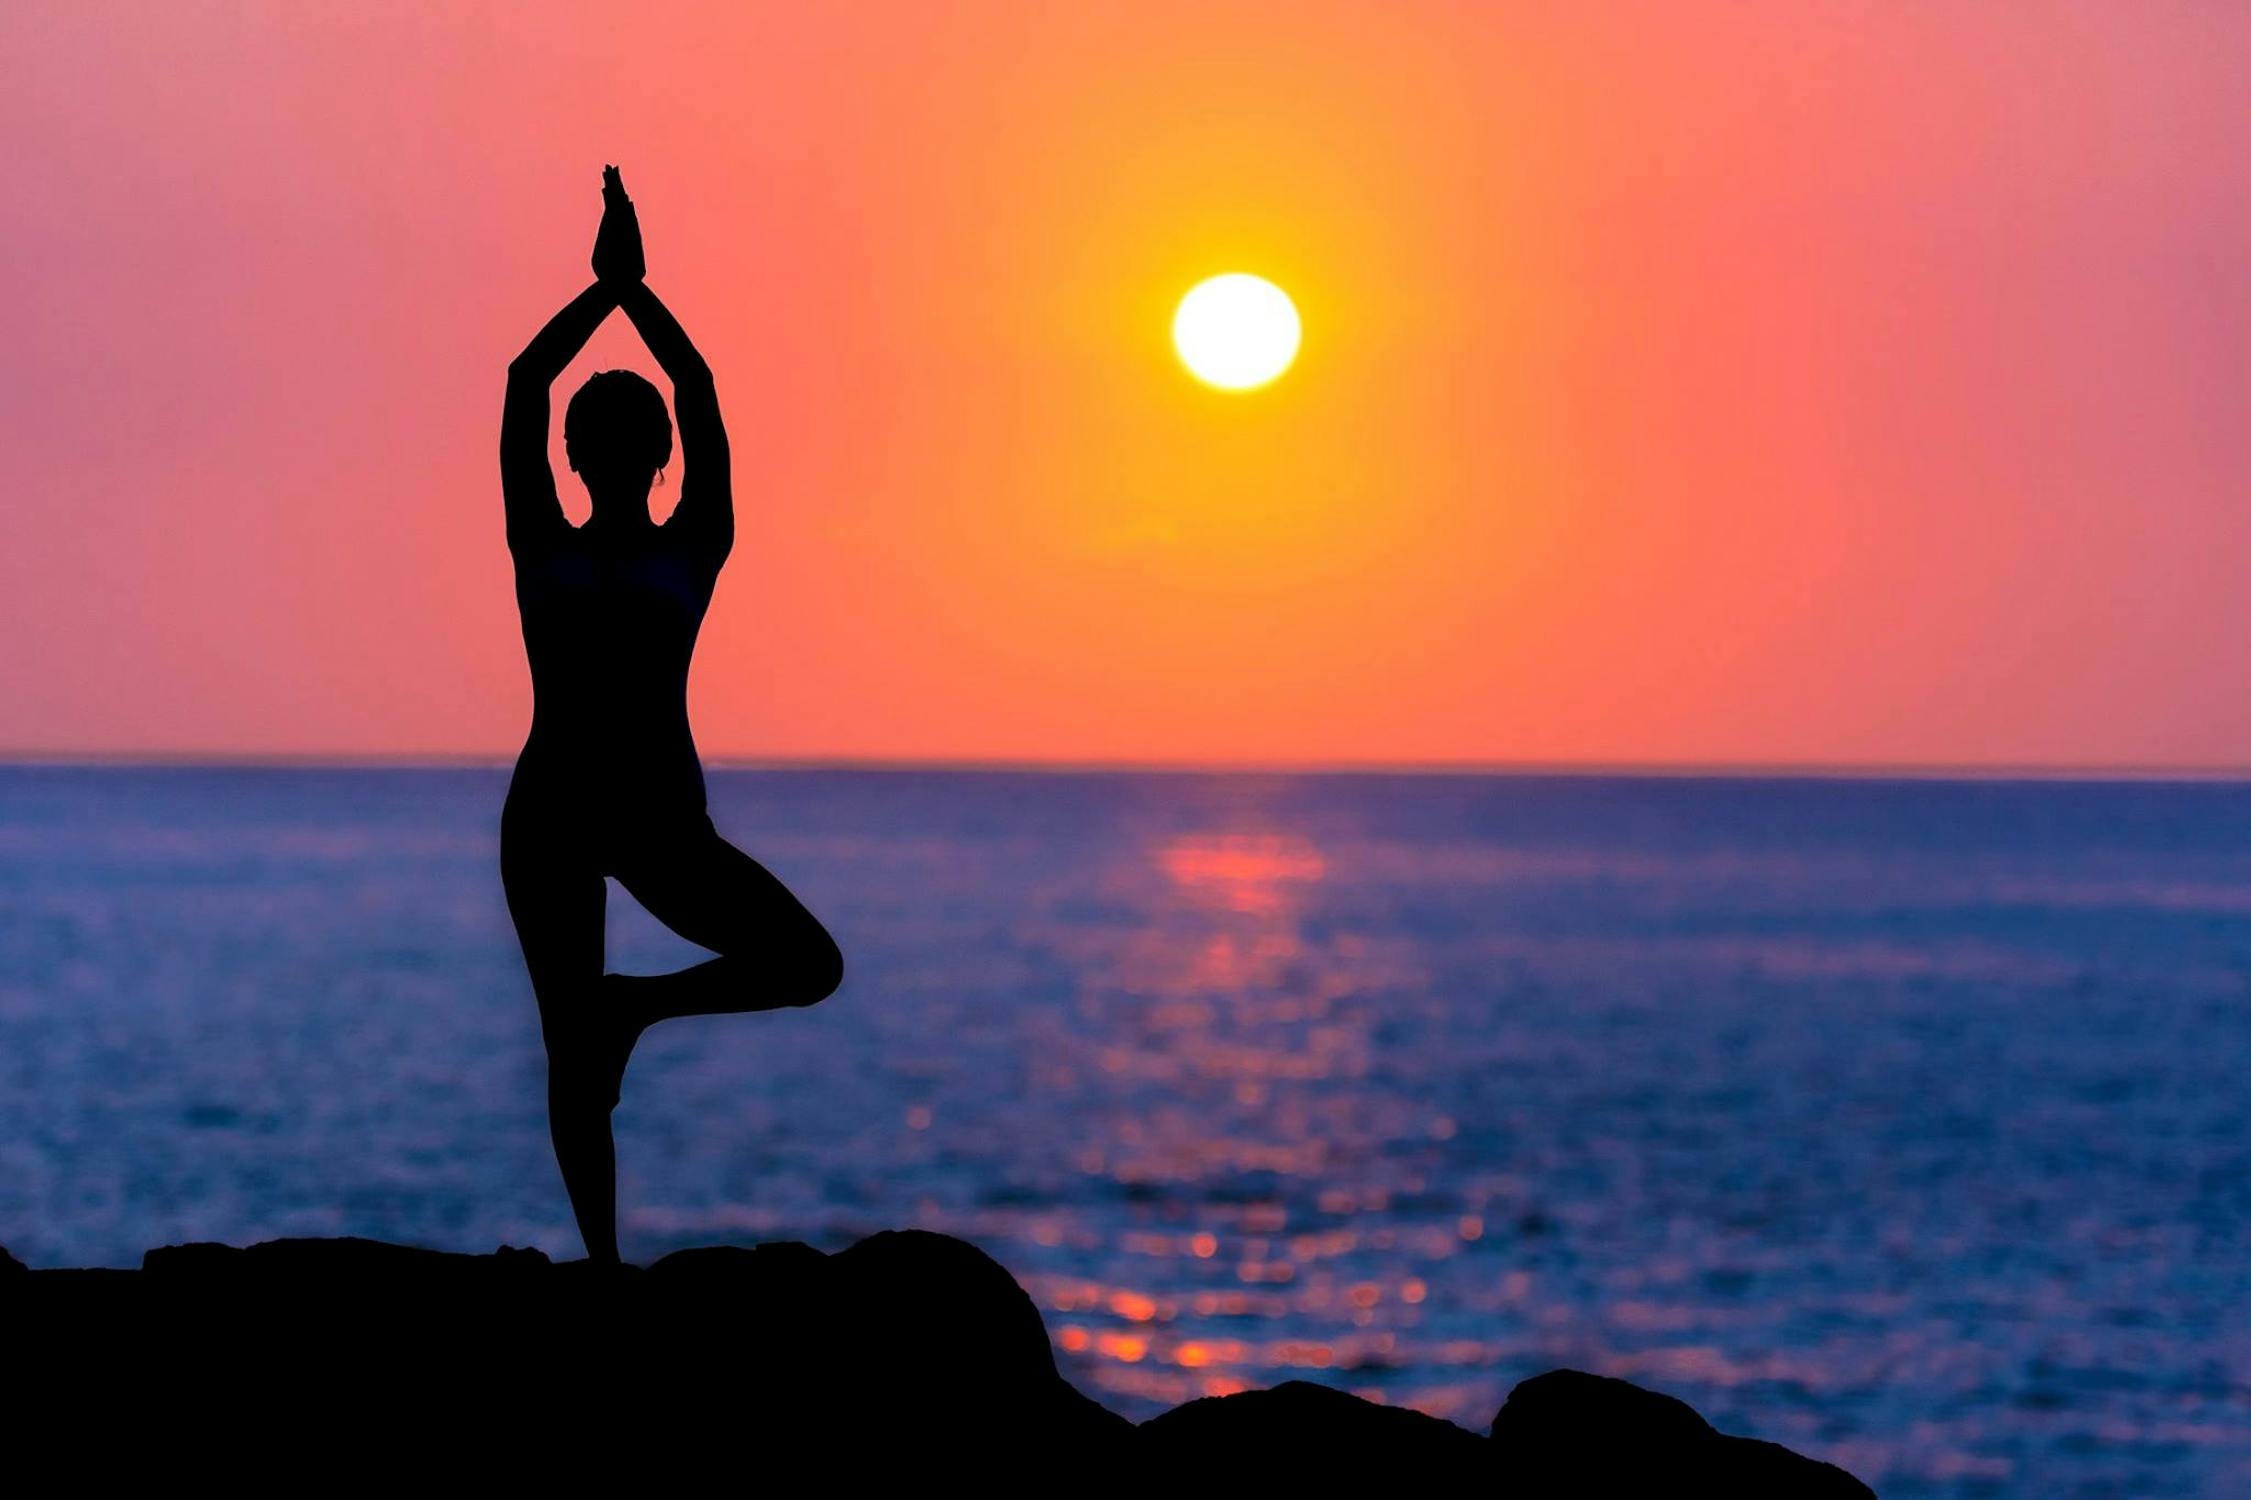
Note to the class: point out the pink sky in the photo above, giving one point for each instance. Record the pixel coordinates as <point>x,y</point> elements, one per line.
<point>1751,383</point>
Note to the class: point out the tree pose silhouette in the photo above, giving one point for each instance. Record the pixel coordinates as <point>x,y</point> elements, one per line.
<point>609,783</point>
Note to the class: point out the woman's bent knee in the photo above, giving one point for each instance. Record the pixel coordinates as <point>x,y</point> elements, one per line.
<point>821,971</point>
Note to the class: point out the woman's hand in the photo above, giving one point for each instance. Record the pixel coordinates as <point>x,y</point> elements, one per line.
<point>617,245</point>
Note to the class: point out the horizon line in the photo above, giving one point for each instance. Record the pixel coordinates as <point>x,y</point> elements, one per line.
<point>965,765</point>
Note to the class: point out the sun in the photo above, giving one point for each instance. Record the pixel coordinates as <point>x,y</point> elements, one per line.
<point>1236,331</point>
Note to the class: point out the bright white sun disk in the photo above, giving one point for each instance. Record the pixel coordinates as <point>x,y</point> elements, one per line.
<point>1236,331</point>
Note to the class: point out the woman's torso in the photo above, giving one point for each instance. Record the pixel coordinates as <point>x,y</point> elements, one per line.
<point>610,621</point>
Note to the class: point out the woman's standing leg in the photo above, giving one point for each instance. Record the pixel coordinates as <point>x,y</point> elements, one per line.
<point>557,904</point>
<point>772,952</point>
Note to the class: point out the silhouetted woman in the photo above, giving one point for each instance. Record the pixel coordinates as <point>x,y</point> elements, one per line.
<point>608,782</point>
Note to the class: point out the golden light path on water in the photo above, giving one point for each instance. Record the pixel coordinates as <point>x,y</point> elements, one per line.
<point>1248,1006</point>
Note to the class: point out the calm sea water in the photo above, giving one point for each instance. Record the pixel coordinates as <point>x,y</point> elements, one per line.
<point>1902,1122</point>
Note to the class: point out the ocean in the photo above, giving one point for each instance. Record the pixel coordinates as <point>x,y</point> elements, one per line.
<point>1900,1121</point>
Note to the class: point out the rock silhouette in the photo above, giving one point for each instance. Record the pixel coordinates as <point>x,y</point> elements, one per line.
<point>1568,1432</point>
<point>909,1356</point>
<point>1301,1433</point>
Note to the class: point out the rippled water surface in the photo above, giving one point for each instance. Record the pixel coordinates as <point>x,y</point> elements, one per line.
<point>1902,1122</point>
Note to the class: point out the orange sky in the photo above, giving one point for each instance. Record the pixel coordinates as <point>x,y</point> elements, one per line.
<point>1769,383</point>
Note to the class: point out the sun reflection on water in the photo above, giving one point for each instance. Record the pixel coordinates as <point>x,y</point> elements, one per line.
<point>1231,1029</point>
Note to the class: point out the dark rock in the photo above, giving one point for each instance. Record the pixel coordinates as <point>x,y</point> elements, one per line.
<point>727,1267</point>
<point>1571,1433</point>
<point>1571,1406</point>
<point>909,1355</point>
<point>964,1339</point>
<point>931,1292</point>
<point>9,1265</point>
<point>908,1349</point>
<point>369,1262</point>
<point>1304,1434</point>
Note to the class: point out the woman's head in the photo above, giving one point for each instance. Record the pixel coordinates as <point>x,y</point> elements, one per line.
<point>617,431</point>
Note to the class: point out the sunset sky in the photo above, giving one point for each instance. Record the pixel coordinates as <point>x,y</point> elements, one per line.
<point>1788,383</point>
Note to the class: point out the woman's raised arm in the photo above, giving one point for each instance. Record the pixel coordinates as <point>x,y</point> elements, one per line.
<point>527,482</point>
<point>707,487</point>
